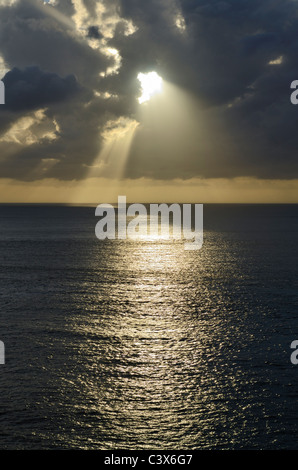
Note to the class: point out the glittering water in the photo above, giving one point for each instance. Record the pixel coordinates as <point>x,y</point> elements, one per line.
<point>142,345</point>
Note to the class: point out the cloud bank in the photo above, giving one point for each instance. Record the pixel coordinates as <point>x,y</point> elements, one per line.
<point>70,70</point>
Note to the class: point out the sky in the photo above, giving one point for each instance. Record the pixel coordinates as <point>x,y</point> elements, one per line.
<point>78,127</point>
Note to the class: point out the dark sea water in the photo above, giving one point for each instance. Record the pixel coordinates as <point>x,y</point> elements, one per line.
<point>143,345</point>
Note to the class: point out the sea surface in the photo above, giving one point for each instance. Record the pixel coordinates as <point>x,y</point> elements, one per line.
<point>139,344</point>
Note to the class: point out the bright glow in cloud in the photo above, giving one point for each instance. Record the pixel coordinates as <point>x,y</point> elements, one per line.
<point>151,84</point>
<point>110,52</point>
<point>277,61</point>
<point>3,68</point>
<point>180,22</point>
<point>4,3</point>
<point>29,130</point>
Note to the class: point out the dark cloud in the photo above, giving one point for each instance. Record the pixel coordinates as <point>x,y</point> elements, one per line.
<point>237,59</point>
<point>93,32</point>
<point>65,82</point>
<point>230,62</point>
<point>35,34</point>
<point>34,89</point>
<point>251,44</point>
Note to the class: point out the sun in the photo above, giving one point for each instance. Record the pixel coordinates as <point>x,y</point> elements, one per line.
<point>151,84</point>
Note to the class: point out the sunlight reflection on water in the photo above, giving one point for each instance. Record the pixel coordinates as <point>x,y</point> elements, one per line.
<point>141,344</point>
<point>156,379</point>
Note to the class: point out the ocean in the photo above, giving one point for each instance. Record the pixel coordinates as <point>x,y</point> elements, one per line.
<point>140,344</point>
